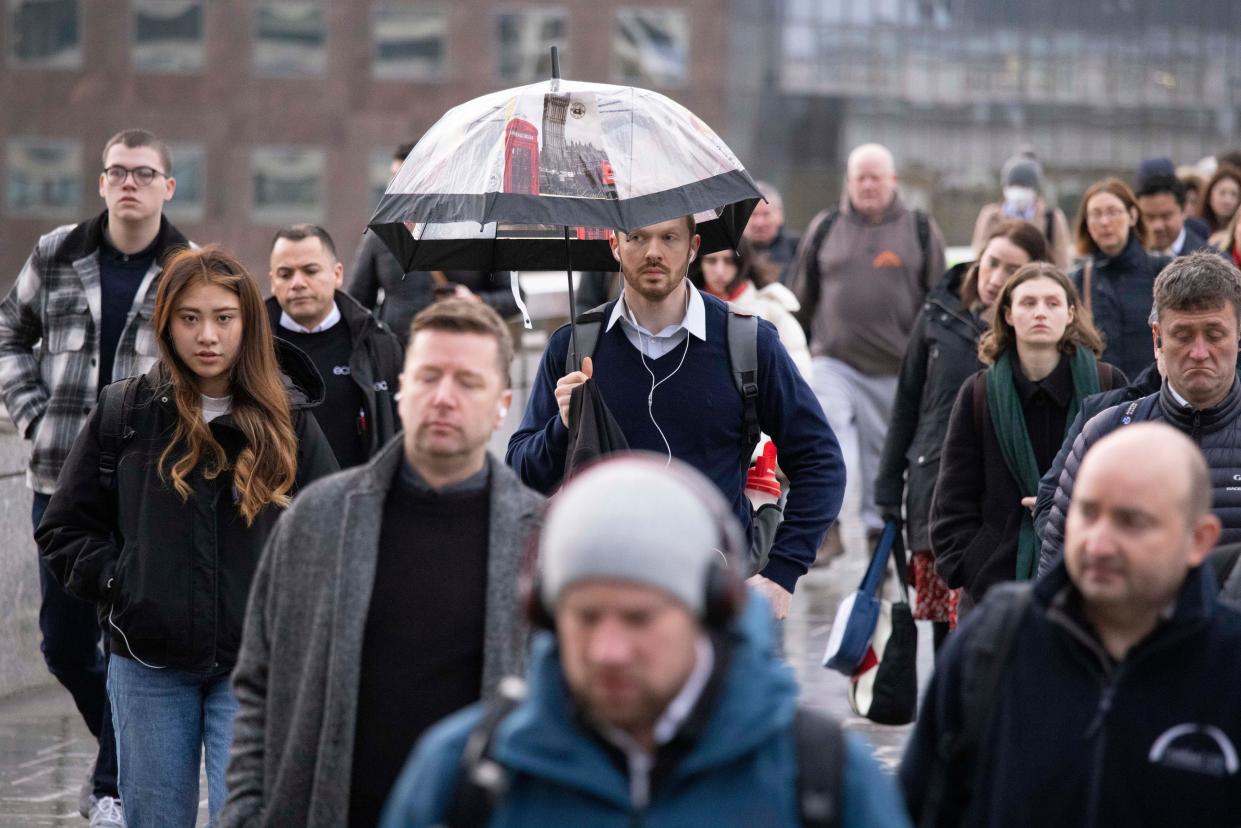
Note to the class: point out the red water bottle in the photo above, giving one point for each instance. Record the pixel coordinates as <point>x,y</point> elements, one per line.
<point>761,485</point>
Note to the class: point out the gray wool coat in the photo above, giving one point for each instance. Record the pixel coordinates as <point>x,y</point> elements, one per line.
<point>297,673</point>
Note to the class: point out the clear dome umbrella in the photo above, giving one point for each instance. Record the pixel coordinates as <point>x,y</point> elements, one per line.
<point>537,178</point>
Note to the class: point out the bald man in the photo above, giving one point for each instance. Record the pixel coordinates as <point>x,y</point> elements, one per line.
<point>1117,697</point>
<point>862,273</point>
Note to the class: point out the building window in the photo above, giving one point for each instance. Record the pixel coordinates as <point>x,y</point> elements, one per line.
<point>287,185</point>
<point>290,38</point>
<point>189,168</point>
<point>524,40</point>
<point>168,35</point>
<point>44,178</point>
<point>409,43</point>
<point>651,46</point>
<point>45,33</point>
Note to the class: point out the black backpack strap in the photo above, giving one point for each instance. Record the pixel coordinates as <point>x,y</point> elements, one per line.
<point>923,221</point>
<point>589,328</point>
<point>1049,224</point>
<point>809,297</point>
<point>980,401</point>
<point>983,665</point>
<point>482,781</point>
<point>116,401</point>
<point>820,769</point>
<point>742,332</point>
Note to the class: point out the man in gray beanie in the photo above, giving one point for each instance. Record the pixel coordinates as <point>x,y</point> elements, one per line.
<point>653,692</point>
<point>1022,180</point>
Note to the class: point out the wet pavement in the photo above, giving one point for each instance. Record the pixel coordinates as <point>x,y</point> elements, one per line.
<point>45,749</point>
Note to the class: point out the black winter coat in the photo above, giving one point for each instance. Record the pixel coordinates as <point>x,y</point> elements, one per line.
<point>1147,383</point>
<point>1077,740</point>
<point>1217,431</point>
<point>943,353</point>
<point>171,576</point>
<point>375,365</point>
<point>1122,288</point>
<point>976,512</point>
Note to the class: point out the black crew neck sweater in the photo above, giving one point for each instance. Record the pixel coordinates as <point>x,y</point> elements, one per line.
<point>422,651</point>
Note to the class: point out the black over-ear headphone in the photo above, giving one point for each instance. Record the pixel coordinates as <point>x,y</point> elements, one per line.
<point>724,593</point>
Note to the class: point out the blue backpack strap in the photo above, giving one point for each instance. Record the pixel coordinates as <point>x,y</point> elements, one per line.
<point>589,328</point>
<point>116,401</point>
<point>742,332</point>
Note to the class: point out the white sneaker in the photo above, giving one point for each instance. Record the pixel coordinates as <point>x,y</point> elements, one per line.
<point>105,812</point>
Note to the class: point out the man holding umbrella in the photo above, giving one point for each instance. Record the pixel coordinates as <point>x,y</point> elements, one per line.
<point>661,365</point>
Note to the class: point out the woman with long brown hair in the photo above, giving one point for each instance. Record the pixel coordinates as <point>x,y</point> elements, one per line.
<point>942,354</point>
<point>160,515</point>
<point>1006,426</point>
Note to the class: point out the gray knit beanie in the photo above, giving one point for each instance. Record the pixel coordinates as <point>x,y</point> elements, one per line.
<point>636,518</point>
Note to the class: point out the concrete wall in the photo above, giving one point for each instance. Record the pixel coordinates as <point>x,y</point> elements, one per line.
<point>21,664</point>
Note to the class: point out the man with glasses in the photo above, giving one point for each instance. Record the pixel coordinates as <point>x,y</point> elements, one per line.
<point>85,298</point>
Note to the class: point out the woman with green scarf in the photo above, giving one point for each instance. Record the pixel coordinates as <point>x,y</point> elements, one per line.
<point>1006,426</point>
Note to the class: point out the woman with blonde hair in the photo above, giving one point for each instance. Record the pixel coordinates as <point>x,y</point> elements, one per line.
<point>160,515</point>
<point>1006,426</point>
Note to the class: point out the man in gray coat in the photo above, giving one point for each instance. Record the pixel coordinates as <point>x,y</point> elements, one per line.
<point>387,596</point>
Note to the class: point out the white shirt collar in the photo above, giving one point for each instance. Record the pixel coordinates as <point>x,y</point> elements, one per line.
<point>1179,243</point>
<point>1181,401</point>
<point>333,317</point>
<point>694,321</point>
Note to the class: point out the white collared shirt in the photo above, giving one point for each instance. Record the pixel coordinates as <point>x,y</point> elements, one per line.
<point>1181,401</point>
<point>1179,244</point>
<point>332,318</point>
<point>674,715</point>
<point>655,345</point>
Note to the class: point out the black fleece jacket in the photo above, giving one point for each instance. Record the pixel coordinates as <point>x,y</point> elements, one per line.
<point>171,575</point>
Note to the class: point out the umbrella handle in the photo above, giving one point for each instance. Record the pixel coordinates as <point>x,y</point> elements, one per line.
<point>568,260</point>
<point>555,63</point>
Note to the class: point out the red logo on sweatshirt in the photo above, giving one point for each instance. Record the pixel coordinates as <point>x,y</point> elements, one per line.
<point>887,259</point>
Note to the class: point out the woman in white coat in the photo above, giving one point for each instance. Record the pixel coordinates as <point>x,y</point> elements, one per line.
<point>753,286</point>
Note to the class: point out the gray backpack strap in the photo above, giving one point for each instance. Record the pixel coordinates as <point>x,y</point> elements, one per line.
<point>589,328</point>
<point>742,331</point>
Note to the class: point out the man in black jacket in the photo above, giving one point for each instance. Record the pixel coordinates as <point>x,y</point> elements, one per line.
<point>1197,319</point>
<point>357,356</point>
<point>1161,198</point>
<point>1111,693</point>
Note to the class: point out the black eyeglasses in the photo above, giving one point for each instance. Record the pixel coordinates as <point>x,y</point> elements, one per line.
<point>116,174</point>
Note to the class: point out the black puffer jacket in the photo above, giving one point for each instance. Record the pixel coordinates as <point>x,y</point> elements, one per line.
<point>374,365</point>
<point>1122,288</point>
<point>171,576</point>
<point>943,353</point>
<point>1217,431</point>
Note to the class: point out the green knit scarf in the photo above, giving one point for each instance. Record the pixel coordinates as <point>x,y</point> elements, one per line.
<point>1010,429</point>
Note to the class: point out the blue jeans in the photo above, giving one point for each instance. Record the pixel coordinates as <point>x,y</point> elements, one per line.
<point>164,719</point>
<point>70,630</point>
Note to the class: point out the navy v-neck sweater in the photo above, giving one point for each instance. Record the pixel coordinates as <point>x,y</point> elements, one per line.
<point>699,410</point>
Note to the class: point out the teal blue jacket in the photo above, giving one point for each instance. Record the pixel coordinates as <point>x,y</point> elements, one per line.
<point>739,771</point>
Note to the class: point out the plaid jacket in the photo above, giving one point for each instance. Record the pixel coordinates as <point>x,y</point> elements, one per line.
<point>49,340</point>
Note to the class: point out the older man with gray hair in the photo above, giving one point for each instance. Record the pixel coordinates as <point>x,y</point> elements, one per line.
<point>862,273</point>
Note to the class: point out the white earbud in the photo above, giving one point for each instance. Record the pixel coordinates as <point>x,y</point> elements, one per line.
<point>502,410</point>
<point>693,254</point>
<point>615,253</point>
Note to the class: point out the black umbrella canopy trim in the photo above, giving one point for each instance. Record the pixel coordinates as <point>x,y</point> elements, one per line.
<point>536,241</point>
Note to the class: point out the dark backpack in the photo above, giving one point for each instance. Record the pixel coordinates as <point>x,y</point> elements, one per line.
<point>983,664</point>
<point>116,401</point>
<point>742,332</point>
<point>482,782</point>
